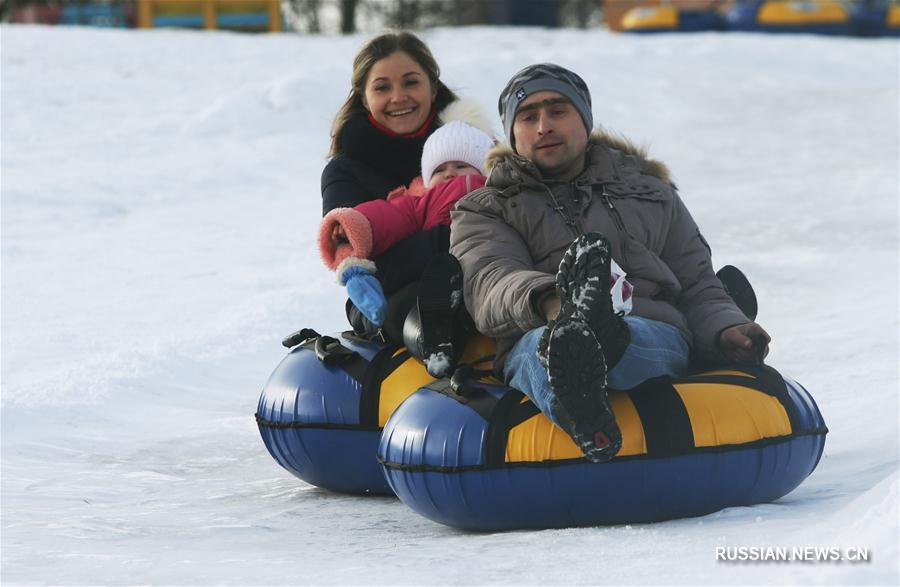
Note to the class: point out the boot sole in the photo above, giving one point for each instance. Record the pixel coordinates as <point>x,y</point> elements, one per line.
<point>574,269</point>
<point>589,284</point>
<point>577,374</point>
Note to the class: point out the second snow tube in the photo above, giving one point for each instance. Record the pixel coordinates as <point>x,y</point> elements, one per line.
<point>323,408</point>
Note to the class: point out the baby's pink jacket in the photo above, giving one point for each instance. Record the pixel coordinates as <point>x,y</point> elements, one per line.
<point>373,227</point>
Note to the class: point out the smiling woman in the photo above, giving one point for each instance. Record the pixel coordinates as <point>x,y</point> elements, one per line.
<point>395,101</point>
<point>399,94</point>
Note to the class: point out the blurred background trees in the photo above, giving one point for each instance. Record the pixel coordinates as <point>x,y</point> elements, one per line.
<point>347,16</point>
<point>337,16</point>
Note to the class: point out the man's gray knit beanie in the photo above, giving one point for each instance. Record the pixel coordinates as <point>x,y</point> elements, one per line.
<point>538,78</point>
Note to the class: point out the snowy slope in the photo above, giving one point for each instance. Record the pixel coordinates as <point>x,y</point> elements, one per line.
<point>159,201</point>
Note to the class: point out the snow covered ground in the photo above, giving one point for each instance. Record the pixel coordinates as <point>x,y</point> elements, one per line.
<point>159,201</point>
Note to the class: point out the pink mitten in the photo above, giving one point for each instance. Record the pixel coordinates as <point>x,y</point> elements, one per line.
<point>357,229</point>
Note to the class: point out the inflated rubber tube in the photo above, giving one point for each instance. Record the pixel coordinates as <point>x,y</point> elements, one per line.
<point>482,457</point>
<point>666,18</point>
<point>322,410</point>
<point>650,19</point>
<point>774,16</point>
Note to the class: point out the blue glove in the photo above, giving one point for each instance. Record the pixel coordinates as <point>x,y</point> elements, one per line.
<point>366,293</point>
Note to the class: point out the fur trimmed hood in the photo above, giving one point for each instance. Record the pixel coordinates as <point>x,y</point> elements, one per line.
<point>504,154</point>
<point>469,112</point>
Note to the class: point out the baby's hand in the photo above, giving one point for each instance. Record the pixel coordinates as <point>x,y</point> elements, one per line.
<point>343,249</point>
<point>338,236</point>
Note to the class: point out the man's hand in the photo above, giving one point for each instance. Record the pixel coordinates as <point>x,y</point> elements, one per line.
<point>745,343</point>
<point>550,307</point>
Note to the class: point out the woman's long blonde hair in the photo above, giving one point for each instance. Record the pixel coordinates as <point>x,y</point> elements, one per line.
<point>378,48</point>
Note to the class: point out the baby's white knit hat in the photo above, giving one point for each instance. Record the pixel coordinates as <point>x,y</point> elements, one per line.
<point>455,141</point>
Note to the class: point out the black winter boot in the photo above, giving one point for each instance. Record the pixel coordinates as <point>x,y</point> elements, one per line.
<point>582,284</point>
<point>440,305</point>
<point>577,373</point>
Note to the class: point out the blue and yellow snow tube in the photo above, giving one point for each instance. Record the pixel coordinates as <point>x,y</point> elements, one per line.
<point>322,410</point>
<point>791,16</point>
<point>667,18</point>
<point>480,456</point>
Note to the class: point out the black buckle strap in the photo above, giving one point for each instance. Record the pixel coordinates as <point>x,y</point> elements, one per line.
<point>459,382</point>
<point>664,417</point>
<point>301,336</point>
<point>386,361</point>
<point>330,351</point>
<point>510,411</point>
<point>468,394</point>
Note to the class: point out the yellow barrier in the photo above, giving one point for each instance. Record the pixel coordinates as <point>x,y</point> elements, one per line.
<point>650,17</point>
<point>148,10</point>
<point>893,16</point>
<point>802,12</point>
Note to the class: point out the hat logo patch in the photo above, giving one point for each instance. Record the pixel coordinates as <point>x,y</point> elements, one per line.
<point>520,94</point>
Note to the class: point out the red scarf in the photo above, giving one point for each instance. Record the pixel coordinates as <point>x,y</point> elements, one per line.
<point>422,132</point>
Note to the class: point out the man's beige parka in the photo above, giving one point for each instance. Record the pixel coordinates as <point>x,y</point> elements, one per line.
<point>511,235</point>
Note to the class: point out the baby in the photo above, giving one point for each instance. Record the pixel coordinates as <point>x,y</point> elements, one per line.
<point>349,238</point>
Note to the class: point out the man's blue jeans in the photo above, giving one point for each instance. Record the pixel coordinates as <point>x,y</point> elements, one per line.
<point>656,349</point>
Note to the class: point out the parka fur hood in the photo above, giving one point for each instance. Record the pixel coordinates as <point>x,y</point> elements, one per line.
<point>504,154</point>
